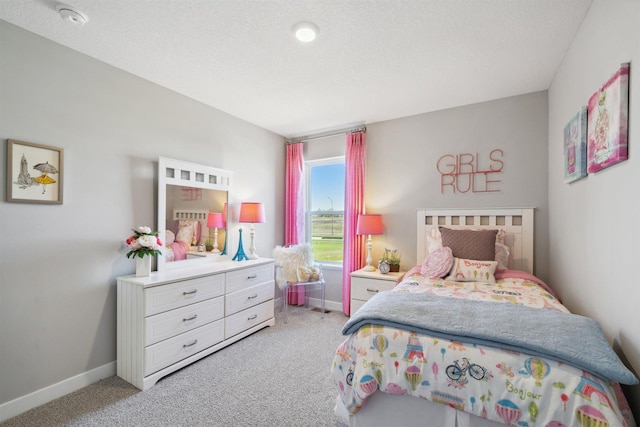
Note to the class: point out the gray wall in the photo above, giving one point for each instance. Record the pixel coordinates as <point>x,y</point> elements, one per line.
<point>402,175</point>
<point>593,221</point>
<point>58,264</point>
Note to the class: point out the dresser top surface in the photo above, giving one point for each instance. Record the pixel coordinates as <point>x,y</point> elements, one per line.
<point>160,277</point>
<point>391,276</point>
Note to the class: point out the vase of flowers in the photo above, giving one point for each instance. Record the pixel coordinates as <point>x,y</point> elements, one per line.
<point>143,245</point>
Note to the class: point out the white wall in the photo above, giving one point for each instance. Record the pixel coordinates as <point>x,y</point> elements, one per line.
<point>592,228</point>
<point>58,263</point>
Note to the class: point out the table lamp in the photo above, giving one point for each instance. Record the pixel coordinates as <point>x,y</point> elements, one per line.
<point>369,225</point>
<point>252,213</point>
<point>215,220</point>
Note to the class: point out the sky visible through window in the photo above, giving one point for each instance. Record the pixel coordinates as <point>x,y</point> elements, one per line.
<point>327,187</point>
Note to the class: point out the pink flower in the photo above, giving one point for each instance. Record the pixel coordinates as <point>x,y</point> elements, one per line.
<point>134,245</point>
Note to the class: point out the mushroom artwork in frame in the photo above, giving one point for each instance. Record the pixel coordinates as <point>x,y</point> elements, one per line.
<point>46,165</point>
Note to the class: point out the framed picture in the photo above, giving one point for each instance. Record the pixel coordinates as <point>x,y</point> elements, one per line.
<point>607,123</point>
<point>34,173</point>
<point>575,147</point>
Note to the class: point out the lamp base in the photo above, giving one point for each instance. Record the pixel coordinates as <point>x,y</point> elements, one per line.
<point>369,267</point>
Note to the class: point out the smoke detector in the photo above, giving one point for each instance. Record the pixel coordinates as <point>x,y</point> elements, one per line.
<point>71,14</point>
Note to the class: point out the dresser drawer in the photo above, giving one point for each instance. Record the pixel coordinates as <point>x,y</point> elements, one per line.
<point>167,297</point>
<point>249,297</point>
<point>241,279</point>
<point>363,289</point>
<point>174,322</point>
<point>245,319</point>
<point>174,349</point>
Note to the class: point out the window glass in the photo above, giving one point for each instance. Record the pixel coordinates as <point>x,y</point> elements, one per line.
<point>325,208</point>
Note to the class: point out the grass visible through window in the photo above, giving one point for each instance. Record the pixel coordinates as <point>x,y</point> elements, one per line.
<point>327,237</point>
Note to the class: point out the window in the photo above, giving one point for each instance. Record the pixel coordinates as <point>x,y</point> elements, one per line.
<point>325,208</point>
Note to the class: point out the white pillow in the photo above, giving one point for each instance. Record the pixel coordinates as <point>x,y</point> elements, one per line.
<point>502,255</point>
<point>185,234</point>
<point>292,257</point>
<point>470,270</point>
<point>195,229</point>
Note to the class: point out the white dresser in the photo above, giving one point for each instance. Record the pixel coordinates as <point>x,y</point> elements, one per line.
<point>173,318</point>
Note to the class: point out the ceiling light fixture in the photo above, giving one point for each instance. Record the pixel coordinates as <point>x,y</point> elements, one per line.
<point>71,14</point>
<point>305,31</point>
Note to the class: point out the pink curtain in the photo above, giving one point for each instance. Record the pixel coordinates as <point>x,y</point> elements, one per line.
<point>355,168</point>
<point>294,208</point>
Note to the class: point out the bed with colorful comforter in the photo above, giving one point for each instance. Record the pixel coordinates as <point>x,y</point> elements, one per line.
<point>507,351</point>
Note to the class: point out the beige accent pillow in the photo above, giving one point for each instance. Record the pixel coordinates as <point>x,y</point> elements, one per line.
<point>185,234</point>
<point>195,231</point>
<point>308,274</point>
<point>471,270</point>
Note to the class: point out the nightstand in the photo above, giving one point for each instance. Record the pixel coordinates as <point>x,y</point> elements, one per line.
<point>365,284</point>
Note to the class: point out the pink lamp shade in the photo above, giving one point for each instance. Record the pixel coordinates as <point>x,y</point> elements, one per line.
<point>252,212</point>
<point>215,220</point>
<point>369,224</point>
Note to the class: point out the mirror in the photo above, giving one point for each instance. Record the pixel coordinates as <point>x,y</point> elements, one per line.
<point>187,193</point>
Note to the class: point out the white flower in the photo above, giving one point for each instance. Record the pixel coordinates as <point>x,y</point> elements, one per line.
<point>147,240</point>
<point>144,230</point>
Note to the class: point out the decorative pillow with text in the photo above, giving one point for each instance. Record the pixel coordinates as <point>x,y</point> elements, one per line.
<point>471,270</point>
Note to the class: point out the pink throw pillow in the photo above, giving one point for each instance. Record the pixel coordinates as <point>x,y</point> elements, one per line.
<point>169,237</point>
<point>438,263</point>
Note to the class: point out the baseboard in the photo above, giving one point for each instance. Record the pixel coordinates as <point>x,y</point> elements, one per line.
<point>47,394</point>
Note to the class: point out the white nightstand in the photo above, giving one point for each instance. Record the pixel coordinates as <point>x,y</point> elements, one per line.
<point>365,284</point>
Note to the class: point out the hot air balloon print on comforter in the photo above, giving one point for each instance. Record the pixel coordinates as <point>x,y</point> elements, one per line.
<point>512,387</point>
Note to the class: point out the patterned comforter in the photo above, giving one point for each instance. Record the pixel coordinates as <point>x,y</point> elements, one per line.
<point>502,385</point>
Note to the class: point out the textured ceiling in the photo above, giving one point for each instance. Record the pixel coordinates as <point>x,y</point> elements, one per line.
<point>373,60</point>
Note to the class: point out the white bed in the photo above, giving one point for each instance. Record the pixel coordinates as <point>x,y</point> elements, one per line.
<point>384,409</point>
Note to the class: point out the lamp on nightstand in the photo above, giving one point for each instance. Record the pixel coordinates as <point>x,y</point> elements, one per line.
<point>251,212</point>
<point>369,225</point>
<point>215,220</point>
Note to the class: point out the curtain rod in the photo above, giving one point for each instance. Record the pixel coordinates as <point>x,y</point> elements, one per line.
<point>325,134</point>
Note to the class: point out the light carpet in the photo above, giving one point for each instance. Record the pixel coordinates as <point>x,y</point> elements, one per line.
<point>279,376</point>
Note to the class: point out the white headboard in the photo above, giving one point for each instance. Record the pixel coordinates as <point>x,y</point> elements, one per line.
<point>191,214</point>
<point>516,222</point>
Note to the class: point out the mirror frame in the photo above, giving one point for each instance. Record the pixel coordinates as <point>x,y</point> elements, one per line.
<point>186,174</point>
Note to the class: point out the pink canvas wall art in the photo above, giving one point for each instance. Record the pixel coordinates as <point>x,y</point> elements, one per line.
<point>607,122</point>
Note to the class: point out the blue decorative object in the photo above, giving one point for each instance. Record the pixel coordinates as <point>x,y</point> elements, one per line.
<point>240,255</point>
<point>224,250</point>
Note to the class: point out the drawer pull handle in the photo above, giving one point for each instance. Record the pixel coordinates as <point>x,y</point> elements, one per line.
<point>252,296</point>
<point>194,317</point>
<point>255,316</point>
<point>253,276</point>
<point>190,345</point>
<point>190,292</point>
<point>375,291</point>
